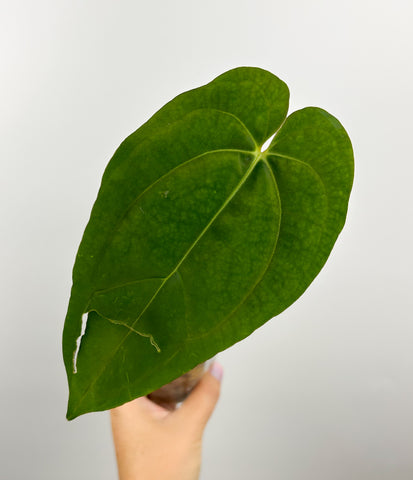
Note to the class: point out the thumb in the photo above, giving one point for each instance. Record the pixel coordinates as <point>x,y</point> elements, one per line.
<point>198,407</point>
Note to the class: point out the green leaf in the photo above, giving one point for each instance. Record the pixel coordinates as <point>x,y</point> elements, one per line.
<point>197,237</point>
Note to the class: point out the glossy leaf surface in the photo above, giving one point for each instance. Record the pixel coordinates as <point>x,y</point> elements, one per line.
<point>197,237</point>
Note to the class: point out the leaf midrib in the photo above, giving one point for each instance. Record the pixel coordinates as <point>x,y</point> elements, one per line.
<point>244,178</point>
<point>259,156</point>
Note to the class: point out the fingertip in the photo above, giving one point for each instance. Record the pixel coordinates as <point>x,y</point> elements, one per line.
<point>217,371</point>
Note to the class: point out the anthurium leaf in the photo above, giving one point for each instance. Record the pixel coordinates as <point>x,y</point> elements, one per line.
<point>197,237</point>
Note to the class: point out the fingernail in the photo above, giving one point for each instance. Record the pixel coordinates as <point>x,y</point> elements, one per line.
<point>216,371</point>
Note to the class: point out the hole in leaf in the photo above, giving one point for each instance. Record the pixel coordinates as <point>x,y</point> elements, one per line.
<point>267,143</point>
<point>79,341</point>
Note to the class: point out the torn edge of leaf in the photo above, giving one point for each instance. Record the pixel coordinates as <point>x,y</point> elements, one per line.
<point>79,341</point>
<point>147,335</point>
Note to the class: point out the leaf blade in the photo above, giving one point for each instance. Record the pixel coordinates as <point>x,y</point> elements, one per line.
<point>249,229</point>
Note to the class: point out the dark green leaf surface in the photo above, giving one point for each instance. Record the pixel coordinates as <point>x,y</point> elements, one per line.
<point>197,237</point>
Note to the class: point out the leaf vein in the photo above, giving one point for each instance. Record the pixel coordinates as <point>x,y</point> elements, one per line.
<point>258,281</point>
<point>142,334</point>
<point>240,122</point>
<point>226,319</point>
<point>149,187</point>
<point>205,229</point>
<point>126,284</point>
<point>132,327</point>
<point>306,164</point>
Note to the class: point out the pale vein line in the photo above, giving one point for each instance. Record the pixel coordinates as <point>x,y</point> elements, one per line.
<point>308,165</point>
<point>147,335</point>
<point>126,284</point>
<point>240,122</point>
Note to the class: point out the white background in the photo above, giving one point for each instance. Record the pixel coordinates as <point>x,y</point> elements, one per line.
<point>324,391</point>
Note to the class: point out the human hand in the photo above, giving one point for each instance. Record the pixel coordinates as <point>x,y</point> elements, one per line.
<point>153,443</point>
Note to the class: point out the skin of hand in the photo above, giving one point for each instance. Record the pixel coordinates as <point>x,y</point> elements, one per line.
<point>153,443</point>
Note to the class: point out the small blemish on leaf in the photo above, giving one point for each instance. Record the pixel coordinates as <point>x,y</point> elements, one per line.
<point>165,193</point>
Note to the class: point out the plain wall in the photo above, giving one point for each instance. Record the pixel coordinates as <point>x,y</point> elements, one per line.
<point>322,392</point>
